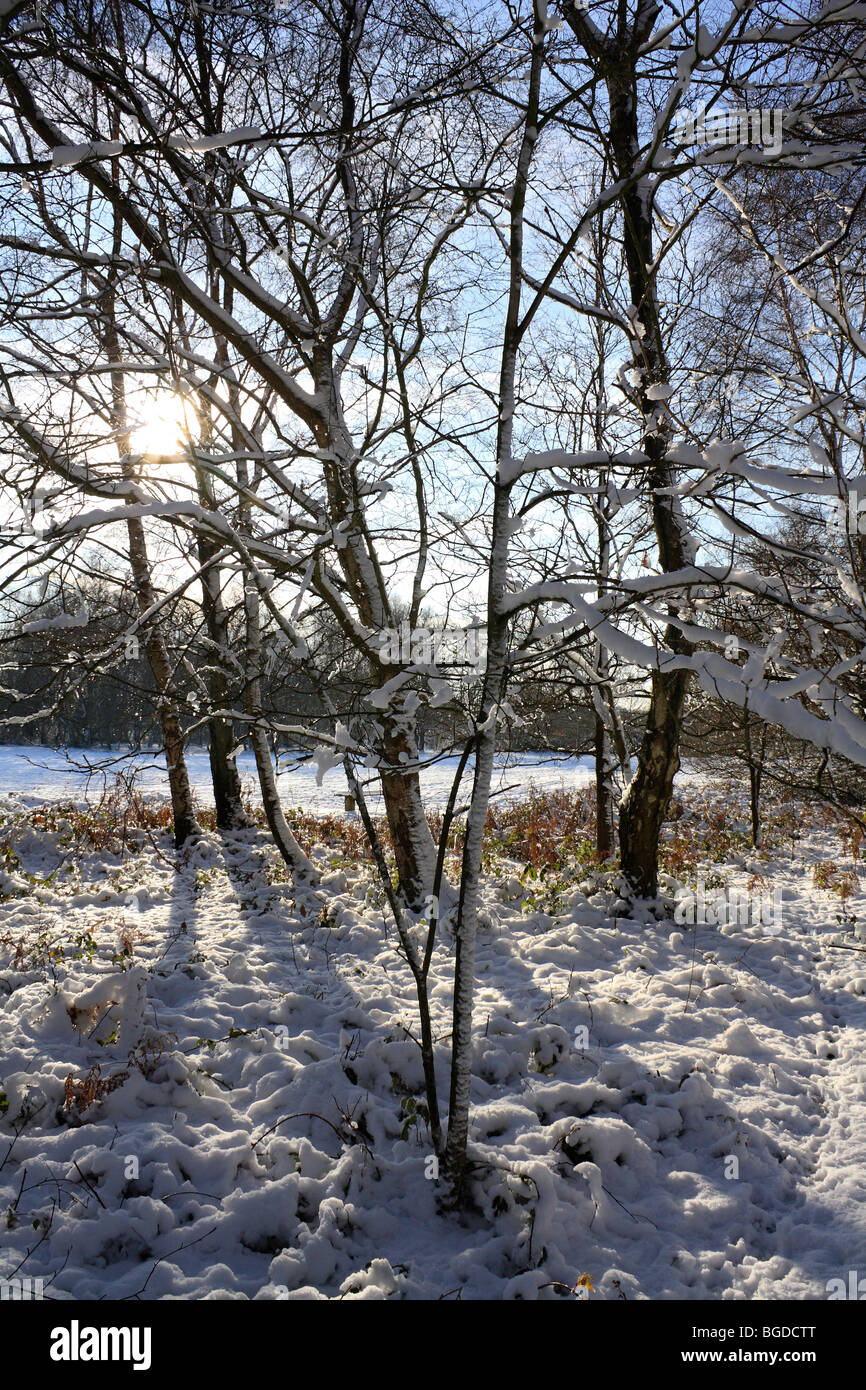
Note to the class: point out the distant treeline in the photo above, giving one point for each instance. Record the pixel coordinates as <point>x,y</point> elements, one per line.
<point>75,677</point>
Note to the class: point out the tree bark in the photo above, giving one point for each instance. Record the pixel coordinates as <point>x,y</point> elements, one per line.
<point>603,797</point>
<point>496,670</point>
<point>300,865</point>
<point>185,823</point>
<point>648,796</point>
<point>230,814</point>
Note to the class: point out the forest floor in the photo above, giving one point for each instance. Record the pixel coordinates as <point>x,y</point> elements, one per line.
<point>210,1088</point>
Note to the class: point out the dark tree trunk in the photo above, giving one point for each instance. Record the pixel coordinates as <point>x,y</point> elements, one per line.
<point>414,849</point>
<point>185,823</point>
<point>230,814</point>
<point>646,801</point>
<point>755,804</point>
<point>756,772</point>
<point>648,796</point>
<point>603,798</point>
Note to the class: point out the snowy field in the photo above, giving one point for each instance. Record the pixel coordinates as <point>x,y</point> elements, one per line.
<point>49,774</point>
<point>674,1111</point>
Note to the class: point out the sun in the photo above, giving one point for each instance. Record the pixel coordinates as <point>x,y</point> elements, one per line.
<point>164,425</point>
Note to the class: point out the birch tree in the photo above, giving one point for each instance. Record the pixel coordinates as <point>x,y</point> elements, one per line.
<point>323,256</point>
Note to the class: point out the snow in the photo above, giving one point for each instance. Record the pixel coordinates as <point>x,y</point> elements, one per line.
<point>264,1147</point>
<point>37,773</point>
<point>202,143</point>
<point>324,760</point>
<point>80,619</point>
<point>65,155</point>
<point>513,468</point>
<point>73,154</point>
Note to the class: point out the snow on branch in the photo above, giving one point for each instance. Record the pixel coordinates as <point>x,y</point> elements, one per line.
<point>511,469</point>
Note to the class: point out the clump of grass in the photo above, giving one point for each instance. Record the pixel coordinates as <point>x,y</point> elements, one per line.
<point>345,835</point>
<point>546,829</point>
<point>106,825</point>
<point>551,833</point>
<point>706,832</point>
<point>41,949</point>
<point>828,875</point>
<point>82,1092</point>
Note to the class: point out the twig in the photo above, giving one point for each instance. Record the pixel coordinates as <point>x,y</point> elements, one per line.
<point>159,1261</point>
<point>625,1208</point>
<point>89,1186</point>
<point>299,1115</point>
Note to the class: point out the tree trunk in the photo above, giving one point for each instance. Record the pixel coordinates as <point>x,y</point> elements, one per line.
<point>603,796</point>
<point>755,765</point>
<point>647,798</point>
<point>185,823</point>
<point>496,669</point>
<point>414,848</point>
<point>293,855</point>
<point>302,868</point>
<point>755,804</point>
<point>291,851</point>
<point>230,814</point>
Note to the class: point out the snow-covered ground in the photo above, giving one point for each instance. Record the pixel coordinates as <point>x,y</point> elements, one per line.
<point>47,773</point>
<point>266,1140</point>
